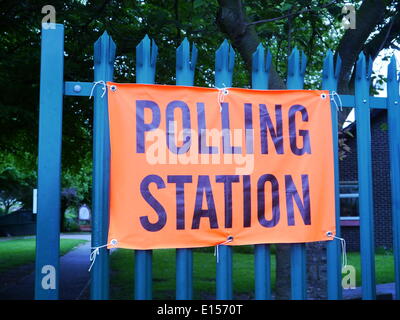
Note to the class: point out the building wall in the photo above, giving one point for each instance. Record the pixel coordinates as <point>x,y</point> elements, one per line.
<point>381,184</point>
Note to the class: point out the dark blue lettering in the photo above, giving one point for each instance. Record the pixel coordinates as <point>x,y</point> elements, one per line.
<point>226,132</point>
<point>201,123</point>
<point>227,180</point>
<point>291,193</point>
<point>248,123</point>
<point>204,187</point>
<point>170,119</point>
<point>246,201</point>
<point>276,134</point>
<point>261,200</point>
<point>180,198</point>
<point>303,133</point>
<point>158,208</point>
<point>142,127</point>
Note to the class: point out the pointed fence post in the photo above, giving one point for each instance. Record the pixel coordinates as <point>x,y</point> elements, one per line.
<point>329,82</point>
<point>185,69</point>
<point>262,258</point>
<point>146,57</point>
<point>393,105</point>
<point>362,117</point>
<point>49,164</point>
<point>104,55</point>
<point>224,63</point>
<point>295,80</point>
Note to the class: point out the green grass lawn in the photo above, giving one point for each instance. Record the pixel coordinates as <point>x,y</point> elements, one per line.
<point>122,277</point>
<point>18,252</point>
<point>384,267</point>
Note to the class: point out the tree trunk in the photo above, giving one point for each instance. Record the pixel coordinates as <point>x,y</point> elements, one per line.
<point>232,21</point>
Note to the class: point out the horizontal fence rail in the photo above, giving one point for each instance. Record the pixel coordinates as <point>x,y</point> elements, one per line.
<point>53,88</point>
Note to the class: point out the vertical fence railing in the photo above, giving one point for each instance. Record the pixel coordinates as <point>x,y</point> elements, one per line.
<point>224,63</point>
<point>104,55</point>
<point>363,127</point>
<point>295,79</point>
<point>262,257</point>
<point>146,57</point>
<point>393,105</point>
<point>49,164</point>
<point>52,89</point>
<point>329,82</point>
<point>185,68</point>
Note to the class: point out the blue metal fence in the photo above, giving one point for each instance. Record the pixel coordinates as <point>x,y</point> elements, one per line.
<point>52,90</point>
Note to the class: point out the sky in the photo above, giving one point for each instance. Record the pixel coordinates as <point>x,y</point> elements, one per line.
<point>379,67</point>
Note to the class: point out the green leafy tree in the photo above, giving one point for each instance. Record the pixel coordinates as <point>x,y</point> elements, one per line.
<point>311,25</point>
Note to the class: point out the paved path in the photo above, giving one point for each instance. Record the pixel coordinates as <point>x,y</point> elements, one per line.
<point>74,276</point>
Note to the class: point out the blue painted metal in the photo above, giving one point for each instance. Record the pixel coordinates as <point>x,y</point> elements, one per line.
<point>72,88</point>
<point>146,58</point>
<point>104,55</point>
<point>362,117</point>
<point>329,82</point>
<point>224,63</point>
<point>296,70</point>
<point>185,69</point>
<point>52,89</point>
<point>393,105</point>
<point>348,101</point>
<point>262,258</point>
<point>49,166</point>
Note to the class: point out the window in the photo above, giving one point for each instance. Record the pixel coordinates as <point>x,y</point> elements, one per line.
<point>349,201</point>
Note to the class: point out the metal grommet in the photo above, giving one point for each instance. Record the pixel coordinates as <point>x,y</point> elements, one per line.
<point>113,88</point>
<point>329,234</point>
<point>230,238</point>
<point>114,242</point>
<point>225,92</point>
<point>323,95</point>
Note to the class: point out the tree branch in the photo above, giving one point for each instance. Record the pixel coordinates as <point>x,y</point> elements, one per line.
<point>369,15</point>
<point>232,21</point>
<point>291,15</point>
<point>384,38</point>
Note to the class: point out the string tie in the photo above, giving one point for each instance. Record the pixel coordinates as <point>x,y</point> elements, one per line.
<point>343,245</point>
<point>222,92</point>
<point>216,253</point>
<point>104,88</point>
<point>340,106</point>
<point>96,251</point>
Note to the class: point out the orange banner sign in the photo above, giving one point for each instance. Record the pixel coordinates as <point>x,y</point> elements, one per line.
<point>195,167</point>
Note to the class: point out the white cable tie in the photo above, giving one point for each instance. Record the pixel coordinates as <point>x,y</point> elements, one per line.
<point>96,251</point>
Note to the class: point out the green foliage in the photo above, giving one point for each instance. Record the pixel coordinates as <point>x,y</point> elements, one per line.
<point>15,185</point>
<point>314,31</point>
<point>14,253</point>
<point>71,225</point>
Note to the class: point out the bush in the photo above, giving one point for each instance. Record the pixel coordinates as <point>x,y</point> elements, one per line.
<point>71,225</point>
